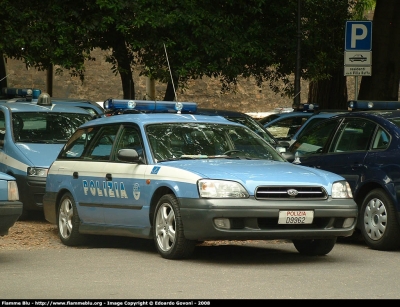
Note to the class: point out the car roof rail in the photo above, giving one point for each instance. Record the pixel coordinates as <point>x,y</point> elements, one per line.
<point>331,111</point>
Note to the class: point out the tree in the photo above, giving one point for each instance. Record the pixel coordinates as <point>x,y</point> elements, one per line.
<point>383,84</point>
<point>224,39</point>
<point>324,41</point>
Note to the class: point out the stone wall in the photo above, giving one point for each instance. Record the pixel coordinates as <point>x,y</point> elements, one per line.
<point>100,83</point>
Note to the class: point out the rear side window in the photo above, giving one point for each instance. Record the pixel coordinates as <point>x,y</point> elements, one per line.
<point>101,148</point>
<point>75,146</point>
<point>353,135</point>
<point>381,140</point>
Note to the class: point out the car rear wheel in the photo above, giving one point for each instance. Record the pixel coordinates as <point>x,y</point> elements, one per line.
<point>168,230</point>
<point>378,223</point>
<point>314,247</point>
<point>68,221</point>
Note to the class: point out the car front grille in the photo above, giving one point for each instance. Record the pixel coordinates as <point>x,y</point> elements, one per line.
<point>290,192</point>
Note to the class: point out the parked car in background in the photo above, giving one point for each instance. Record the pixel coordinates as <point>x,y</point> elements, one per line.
<point>92,107</point>
<point>10,206</point>
<point>179,178</point>
<point>283,110</point>
<point>286,124</point>
<point>363,146</point>
<point>248,121</point>
<point>312,120</point>
<point>31,136</point>
<point>32,95</point>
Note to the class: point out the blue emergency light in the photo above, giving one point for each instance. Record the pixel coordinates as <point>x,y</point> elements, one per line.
<point>307,107</point>
<point>373,105</point>
<point>13,92</point>
<point>148,106</point>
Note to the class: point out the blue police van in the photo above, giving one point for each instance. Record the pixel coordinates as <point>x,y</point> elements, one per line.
<point>157,170</point>
<point>31,136</point>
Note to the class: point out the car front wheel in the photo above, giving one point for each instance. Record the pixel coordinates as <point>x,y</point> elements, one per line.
<point>168,230</point>
<point>378,224</point>
<point>314,247</point>
<point>68,221</point>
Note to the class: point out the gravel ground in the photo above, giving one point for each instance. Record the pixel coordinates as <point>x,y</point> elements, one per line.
<point>35,233</point>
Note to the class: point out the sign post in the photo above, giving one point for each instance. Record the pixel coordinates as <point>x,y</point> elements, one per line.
<point>358,50</point>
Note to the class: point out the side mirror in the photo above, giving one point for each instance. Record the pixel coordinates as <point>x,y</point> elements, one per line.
<point>288,156</point>
<point>281,149</point>
<point>128,155</point>
<point>283,144</point>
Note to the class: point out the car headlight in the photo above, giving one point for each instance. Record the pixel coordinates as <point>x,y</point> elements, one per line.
<point>13,190</point>
<point>341,189</point>
<point>37,171</point>
<point>221,189</point>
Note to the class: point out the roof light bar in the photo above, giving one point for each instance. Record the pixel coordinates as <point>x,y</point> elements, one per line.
<point>148,106</point>
<point>373,105</point>
<point>13,92</point>
<point>307,107</point>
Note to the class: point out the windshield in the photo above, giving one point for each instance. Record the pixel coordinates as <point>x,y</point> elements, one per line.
<point>268,118</point>
<point>46,127</point>
<point>171,141</point>
<point>255,126</point>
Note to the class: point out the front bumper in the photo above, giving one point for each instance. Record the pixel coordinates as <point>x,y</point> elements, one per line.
<point>31,191</point>
<point>252,219</point>
<point>9,214</point>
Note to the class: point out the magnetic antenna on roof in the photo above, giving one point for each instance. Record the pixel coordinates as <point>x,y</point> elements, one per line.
<point>172,80</point>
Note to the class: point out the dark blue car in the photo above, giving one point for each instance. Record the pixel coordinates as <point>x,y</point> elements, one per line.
<point>364,147</point>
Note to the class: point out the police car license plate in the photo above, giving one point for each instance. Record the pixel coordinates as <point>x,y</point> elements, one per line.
<point>296,217</point>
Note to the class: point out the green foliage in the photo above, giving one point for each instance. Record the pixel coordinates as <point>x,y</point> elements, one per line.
<point>224,39</point>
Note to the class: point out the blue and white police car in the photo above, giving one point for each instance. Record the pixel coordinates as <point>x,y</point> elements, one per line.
<point>11,94</point>
<point>31,136</point>
<point>10,206</point>
<point>181,178</point>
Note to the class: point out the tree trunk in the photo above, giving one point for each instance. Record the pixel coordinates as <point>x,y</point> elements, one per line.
<point>170,93</point>
<point>329,94</point>
<point>383,84</point>
<point>121,54</point>
<point>3,73</point>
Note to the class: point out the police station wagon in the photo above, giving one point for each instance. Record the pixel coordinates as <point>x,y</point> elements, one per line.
<point>31,137</point>
<point>180,178</point>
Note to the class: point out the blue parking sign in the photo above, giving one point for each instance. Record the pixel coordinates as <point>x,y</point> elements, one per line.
<point>358,36</point>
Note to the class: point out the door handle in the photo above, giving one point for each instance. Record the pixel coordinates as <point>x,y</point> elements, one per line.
<point>108,177</point>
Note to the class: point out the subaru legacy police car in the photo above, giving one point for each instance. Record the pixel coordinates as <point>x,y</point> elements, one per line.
<point>31,136</point>
<point>182,178</point>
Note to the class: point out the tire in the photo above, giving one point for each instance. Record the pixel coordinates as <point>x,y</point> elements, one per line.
<point>168,230</point>
<point>378,222</point>
<point>25,215</point>
<point>68,222</point>
<point>314,247</point>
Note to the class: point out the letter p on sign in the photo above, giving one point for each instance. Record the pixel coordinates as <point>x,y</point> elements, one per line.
<point>358,36</point>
